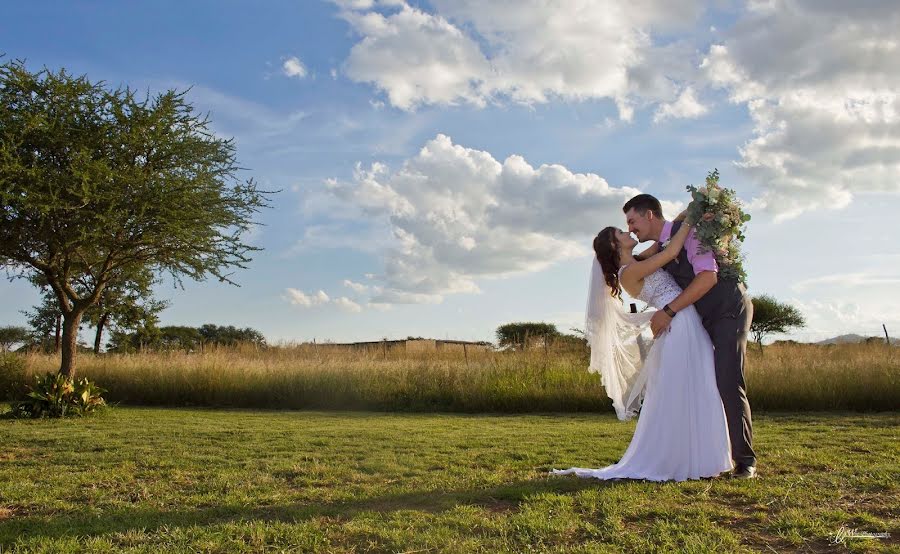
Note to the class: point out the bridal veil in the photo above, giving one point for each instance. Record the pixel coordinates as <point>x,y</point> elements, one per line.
<point>610,332</point>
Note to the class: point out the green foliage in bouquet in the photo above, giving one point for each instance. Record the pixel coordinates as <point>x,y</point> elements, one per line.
<point>57,395</point>
<point>723,232</point>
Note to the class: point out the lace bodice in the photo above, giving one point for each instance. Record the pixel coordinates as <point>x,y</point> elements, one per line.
<point>659,288</point>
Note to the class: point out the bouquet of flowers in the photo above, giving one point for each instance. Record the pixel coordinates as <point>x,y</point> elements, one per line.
<point>720,225</point>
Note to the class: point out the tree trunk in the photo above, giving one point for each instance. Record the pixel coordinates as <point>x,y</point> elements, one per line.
<point>71,325</point>
<point>56,337</point>
<point>100,325</point>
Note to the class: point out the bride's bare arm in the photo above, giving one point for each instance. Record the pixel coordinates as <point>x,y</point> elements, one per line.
<point>653,249</point>
<point>637,271</point>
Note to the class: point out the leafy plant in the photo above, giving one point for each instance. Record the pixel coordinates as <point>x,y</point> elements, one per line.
<point>58,395</point>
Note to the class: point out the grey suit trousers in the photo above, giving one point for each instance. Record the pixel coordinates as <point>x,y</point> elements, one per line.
<point>729,337</point>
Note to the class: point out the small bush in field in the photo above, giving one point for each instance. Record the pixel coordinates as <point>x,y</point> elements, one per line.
<point>57,395</point>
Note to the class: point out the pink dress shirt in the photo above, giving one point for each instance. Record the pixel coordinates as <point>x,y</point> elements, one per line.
<point>705,261</point>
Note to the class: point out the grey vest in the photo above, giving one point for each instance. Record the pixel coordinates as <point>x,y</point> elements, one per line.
<point>725,299</point>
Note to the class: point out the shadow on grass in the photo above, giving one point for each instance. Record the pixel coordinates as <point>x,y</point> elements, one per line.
<point>498,499</point>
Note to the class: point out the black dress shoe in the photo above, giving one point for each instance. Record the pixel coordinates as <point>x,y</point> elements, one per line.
<point>744,471</point>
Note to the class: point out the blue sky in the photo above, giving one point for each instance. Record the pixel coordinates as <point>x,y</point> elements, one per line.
<point>578,109</point>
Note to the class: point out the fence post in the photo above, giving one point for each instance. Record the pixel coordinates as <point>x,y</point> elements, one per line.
<point>466,354</point>
<point>887,339</point>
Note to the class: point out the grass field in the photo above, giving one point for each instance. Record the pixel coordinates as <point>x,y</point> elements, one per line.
<point>789,377</point>
<point>177,480</point>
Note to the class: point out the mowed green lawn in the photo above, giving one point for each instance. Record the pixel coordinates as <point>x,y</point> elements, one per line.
<point>193,480</point>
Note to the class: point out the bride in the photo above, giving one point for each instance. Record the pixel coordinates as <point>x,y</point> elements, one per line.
<point>681,432</point>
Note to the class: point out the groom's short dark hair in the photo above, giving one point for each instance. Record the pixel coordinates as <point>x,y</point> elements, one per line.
<point>643,202</point>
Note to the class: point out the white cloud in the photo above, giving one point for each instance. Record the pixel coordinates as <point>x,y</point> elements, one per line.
<point>356,4</point>
<point>821,83</point>
<point>826,319</point>
<point>356,287</point>
<point>347,305</point>
<point>293,67</point>
<point>299,298</point>
<point>819,79</point>
<point>685,107</point>
<point>457,214</point>
<point>415,58</point>
<point>845,280</point>
<point>528,51</point>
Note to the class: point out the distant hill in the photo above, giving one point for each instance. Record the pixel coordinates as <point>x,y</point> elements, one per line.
<point>847,339</point>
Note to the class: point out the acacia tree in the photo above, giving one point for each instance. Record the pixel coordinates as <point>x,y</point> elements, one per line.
<point>519,335</point>
<point>11,335</point>
<point>145,334</point>
<point>46,322</point>
<point>125,302</point>
<point>95,181</point>
<point>230,335</point>
<point>180,337</point>
<point>771,316</point>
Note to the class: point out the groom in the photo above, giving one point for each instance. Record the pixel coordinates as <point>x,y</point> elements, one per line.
<point>726,311</point>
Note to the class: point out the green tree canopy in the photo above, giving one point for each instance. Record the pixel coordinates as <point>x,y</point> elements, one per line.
<point>11,335</point>
<point>125,303</point>
<point>771,316</point>
<point>515,334</point>
<point>174,337</point>
<point>45,321</point>
<point>142,333</point>
<point>230,335</point>
<point>95,181</point>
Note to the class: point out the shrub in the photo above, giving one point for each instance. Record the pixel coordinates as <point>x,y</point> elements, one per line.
<point>57,395</point>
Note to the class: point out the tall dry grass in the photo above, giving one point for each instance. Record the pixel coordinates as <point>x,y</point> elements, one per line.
<point>783,377</point>
<point>862,377</point>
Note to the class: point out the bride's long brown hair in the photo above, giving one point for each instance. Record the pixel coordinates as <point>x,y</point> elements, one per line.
<point>606,248</point>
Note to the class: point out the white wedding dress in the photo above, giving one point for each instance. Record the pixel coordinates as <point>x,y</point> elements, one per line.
<point>681,431</point>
